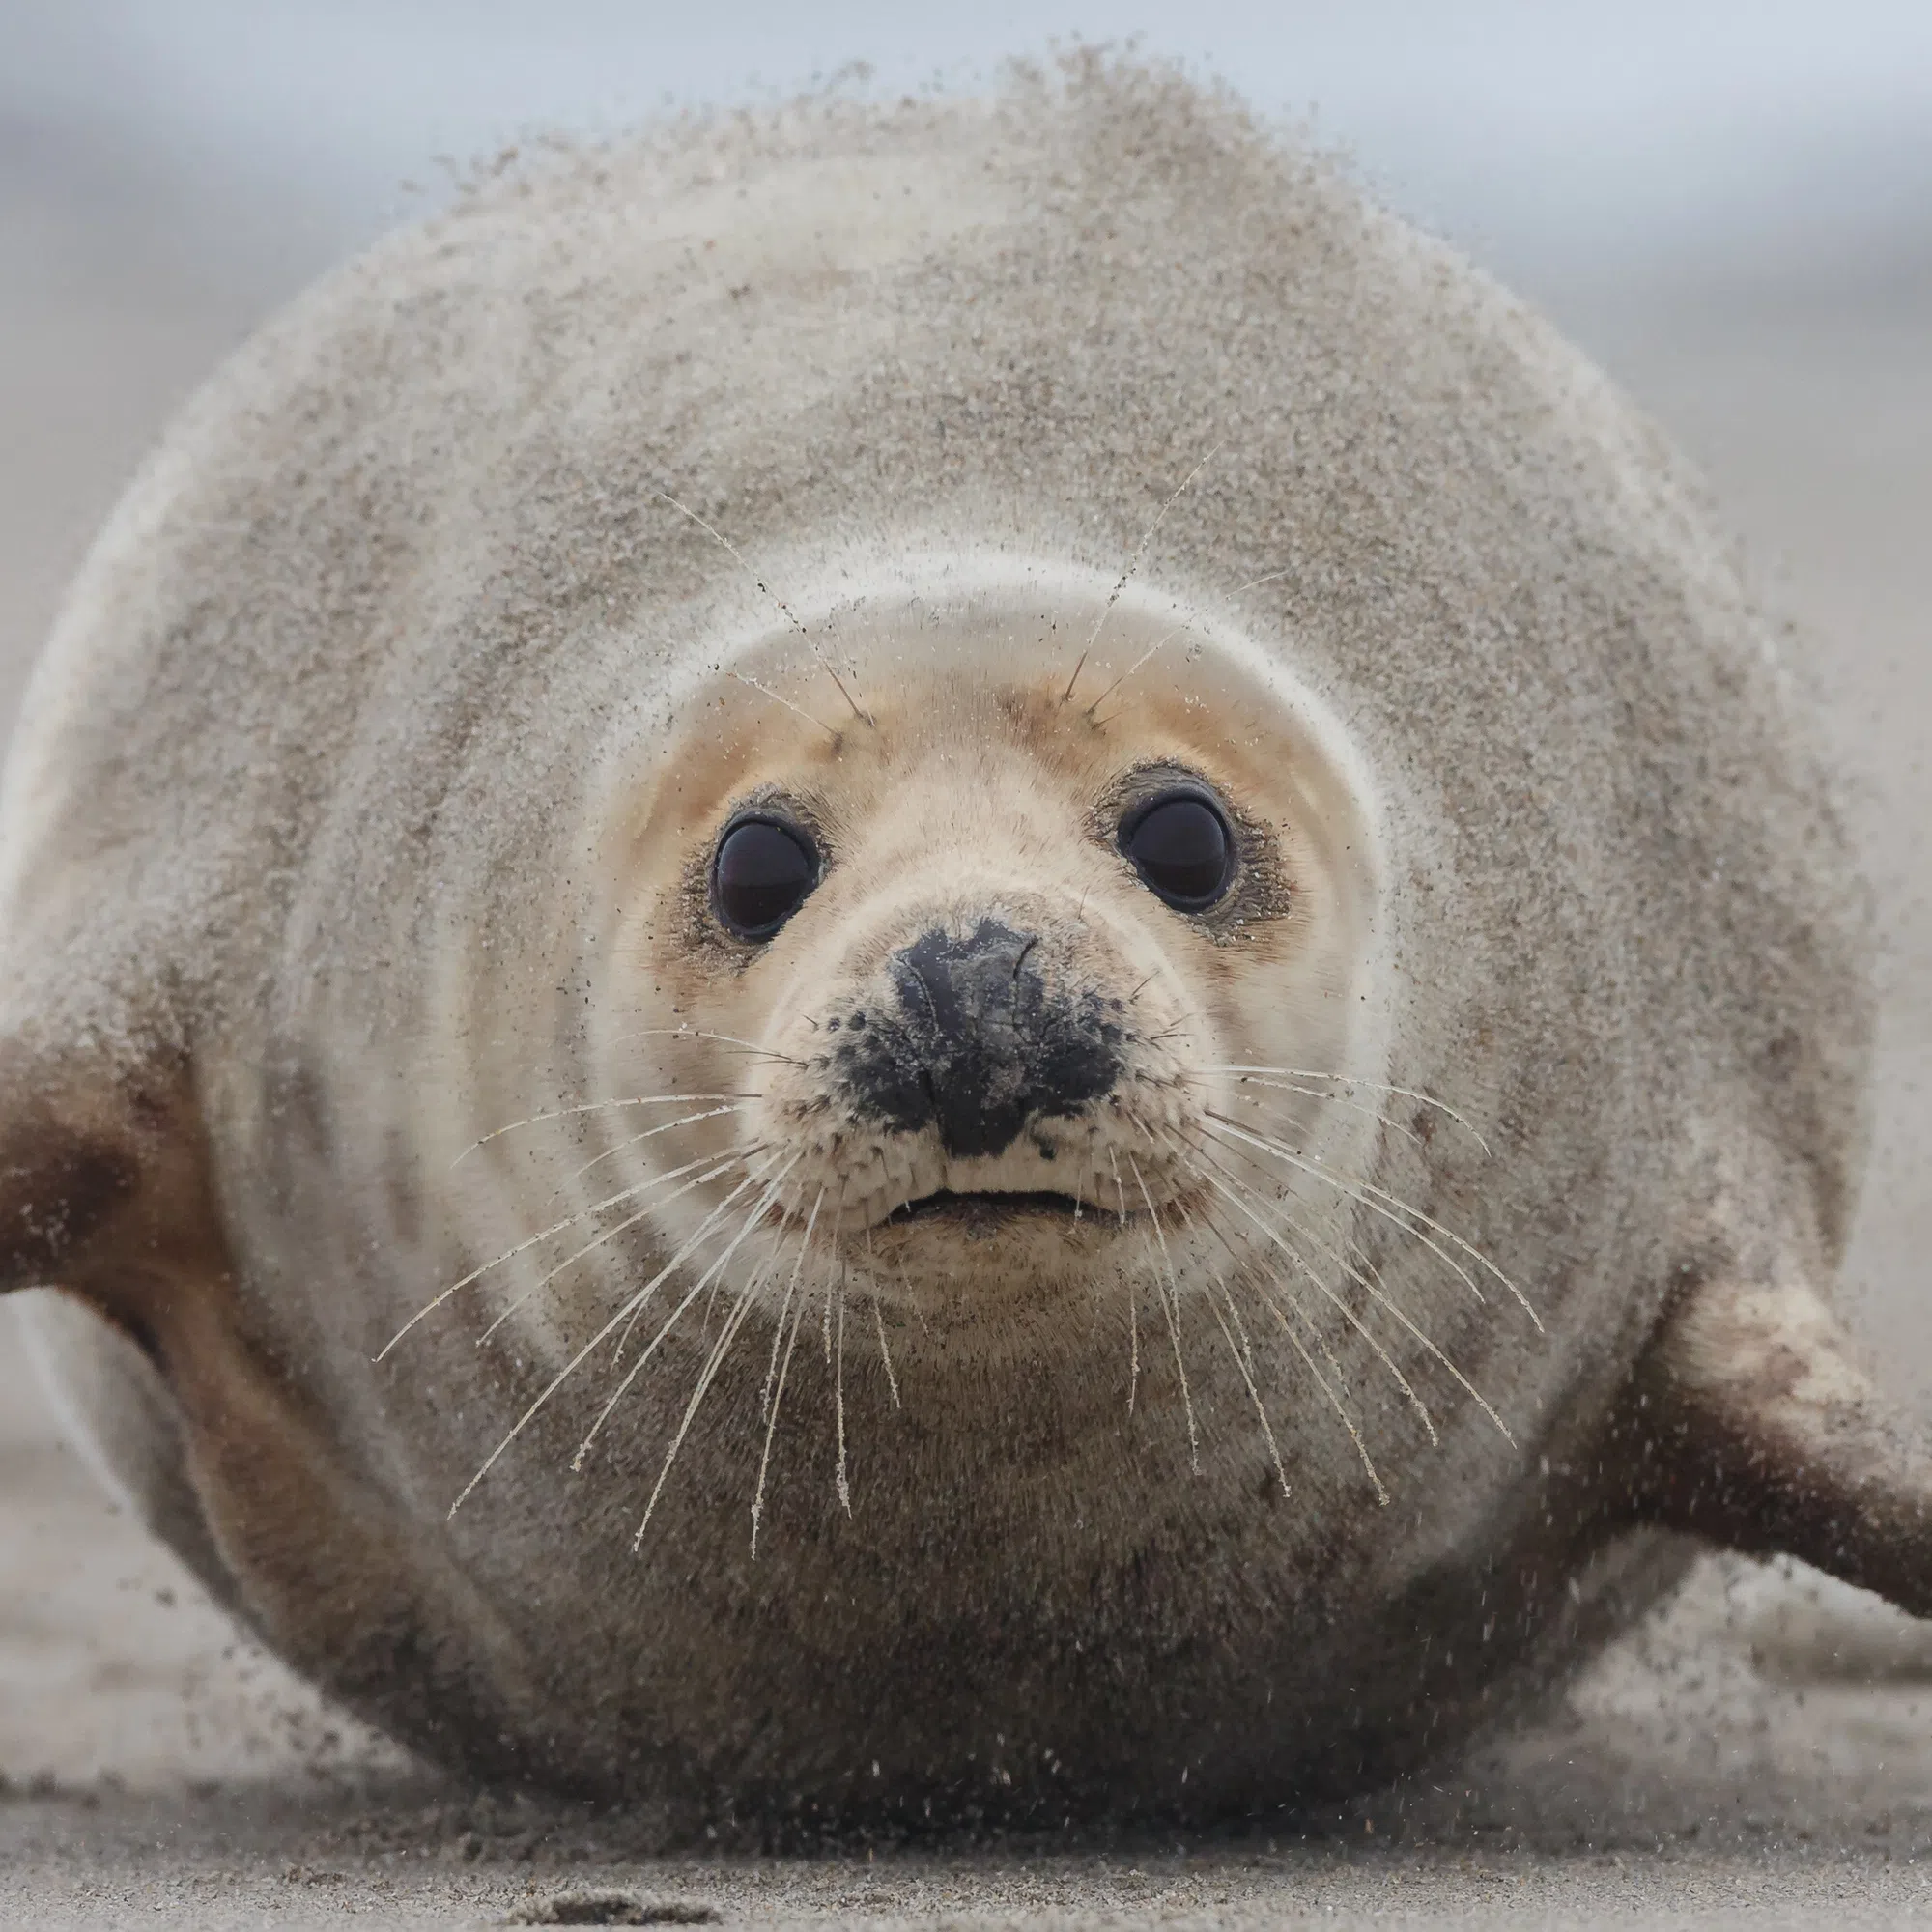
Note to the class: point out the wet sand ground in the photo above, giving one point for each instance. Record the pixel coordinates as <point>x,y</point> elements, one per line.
<point>1761,1754</point>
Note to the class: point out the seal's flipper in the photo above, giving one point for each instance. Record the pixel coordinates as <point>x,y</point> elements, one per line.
<point>105,1195</point>
<point>104,1187</point>
<point>1764,1434</point>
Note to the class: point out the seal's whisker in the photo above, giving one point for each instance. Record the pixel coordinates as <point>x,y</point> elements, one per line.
<point>593,1107</point>
<point>649,1133</point>
<point>1312,1094</point>
<point>708,1373</point>
<point>596,1341</point>
<point>556,1228</point>
<point>1243,1361</point>
<point>1170,1303</point>
<point>784,1309</point>
<point>1252,1075</point>
<point>1328,1389</point>
<point>705,1280</point>
<point>711,1299</point>
<point>1355,1191</point>
<point>1241,1327</point>
<point>1371,1277</point>
<point>1370,1284</point>
<point>884,1354</point>
<point>1234,1190</point>
<point>831,1273</point>
<point>1133,1306</point>
<point>784,1368</point>
<point>727,1335</point>
<point>879,1319</point>
<point>651,1347</point>
<point>711,1221</point>
<point>1367,1278</point>
<point>705,1033</point>
<point>1371,1196</point>
<point>839,1482</point>
<point>1245,1272</point>
<point>721,1165</point>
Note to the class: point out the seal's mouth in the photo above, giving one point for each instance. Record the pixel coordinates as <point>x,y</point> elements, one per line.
<point>986,1208</point>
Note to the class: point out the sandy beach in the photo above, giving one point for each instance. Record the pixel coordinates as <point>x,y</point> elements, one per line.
<point>1760,1754</point>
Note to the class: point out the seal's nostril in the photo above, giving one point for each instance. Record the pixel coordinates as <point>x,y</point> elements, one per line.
<point>979,1043</point>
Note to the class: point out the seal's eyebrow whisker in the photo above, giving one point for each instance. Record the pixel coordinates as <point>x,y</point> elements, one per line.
<point>1254,583</point>
<point>775,1388</point>
<point>1372,1198</point>
<point>595,1107</point>
<point>789,614</point>
<point>627,1311</point>
<point>1133,564</point>
<point>1166,638</point>
<point>765,691</point>
<point>1252,1076</point>
<point>1370,1284</point>
<point>556,1228</point>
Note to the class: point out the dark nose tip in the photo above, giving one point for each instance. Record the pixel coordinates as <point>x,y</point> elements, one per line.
<point>980,1044</point>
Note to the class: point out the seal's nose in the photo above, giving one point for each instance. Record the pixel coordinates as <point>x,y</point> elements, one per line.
<point>979,1044</point>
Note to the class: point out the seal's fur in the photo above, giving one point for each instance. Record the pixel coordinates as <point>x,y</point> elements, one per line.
<point>308,882</point>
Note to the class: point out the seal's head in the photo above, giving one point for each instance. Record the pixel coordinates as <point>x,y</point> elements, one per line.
<point>999,938</point>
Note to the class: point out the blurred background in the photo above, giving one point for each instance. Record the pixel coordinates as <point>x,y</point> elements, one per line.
<point>1728,201</point>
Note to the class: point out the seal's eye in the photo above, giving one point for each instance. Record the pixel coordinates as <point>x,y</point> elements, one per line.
<point>1181,847</point>
<point>760,874</point>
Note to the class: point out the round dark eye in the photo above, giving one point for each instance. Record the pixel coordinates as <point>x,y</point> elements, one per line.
<point>1181,847</point>
<point>760,875</point>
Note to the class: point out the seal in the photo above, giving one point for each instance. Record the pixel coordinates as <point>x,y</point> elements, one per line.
<point>939,961</point>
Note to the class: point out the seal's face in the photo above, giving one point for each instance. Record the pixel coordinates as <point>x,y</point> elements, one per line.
<point>996,964</point>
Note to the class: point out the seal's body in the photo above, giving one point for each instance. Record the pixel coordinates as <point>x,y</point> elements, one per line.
<point>1007,923</point>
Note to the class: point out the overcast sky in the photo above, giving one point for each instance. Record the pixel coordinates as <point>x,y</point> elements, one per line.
<point>1551,131</point>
